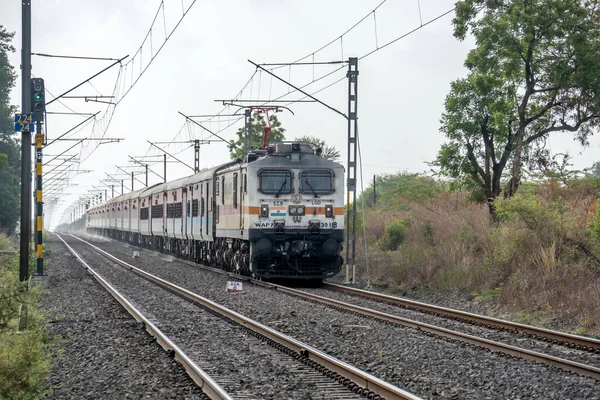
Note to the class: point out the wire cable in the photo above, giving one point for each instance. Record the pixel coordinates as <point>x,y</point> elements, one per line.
<point>407,34</point>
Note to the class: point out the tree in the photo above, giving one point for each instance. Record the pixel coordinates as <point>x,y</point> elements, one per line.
<point>9,148</point>
<point>255,134</point>
<point>534,70</point>
<point>595,170</point>
<point>329,152</point>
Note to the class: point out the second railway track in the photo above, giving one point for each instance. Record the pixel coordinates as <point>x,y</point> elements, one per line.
<point>231,348</point>
<point>358,340</point>
<point>583,343</point>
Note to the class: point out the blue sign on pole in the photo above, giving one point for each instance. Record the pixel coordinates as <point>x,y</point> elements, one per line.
<point>24,123</point>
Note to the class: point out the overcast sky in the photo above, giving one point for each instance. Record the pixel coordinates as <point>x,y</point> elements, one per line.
<point>401,87</point>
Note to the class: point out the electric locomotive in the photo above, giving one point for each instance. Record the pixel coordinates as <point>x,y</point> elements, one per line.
<point>278,214</point>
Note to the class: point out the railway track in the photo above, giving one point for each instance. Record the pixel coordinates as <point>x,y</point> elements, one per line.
<point>496,347</point>
<point>202,379</point>
<point>560,338</point>
<point>330,377</point>
<point>589,345</point>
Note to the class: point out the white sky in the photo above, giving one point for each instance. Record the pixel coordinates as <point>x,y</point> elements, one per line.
<point>401,88</point>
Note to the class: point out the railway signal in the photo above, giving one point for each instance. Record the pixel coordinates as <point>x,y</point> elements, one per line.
<point>38,98</point>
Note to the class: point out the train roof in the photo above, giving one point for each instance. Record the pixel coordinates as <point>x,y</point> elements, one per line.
<point>286,161</point>
<point>131,195</point>
<point>157,187</point>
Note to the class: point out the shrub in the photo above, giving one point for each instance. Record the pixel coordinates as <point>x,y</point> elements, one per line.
<point>394,235</point>
<point>24,355</point>
<point>5,243</point>
<point>543,252</point>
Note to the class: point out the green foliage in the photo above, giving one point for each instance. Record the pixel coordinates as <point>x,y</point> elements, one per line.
<point>399,190</point>
<point>538,216</point>
<point>9,148</point>
<point>394,234</point>
<point>255,134</point>
<point>24,355</point>
<point>5,243</point>
<point>534,71</point>
<point>595,170</point>
<point>329,152</point>
<point>489,294</point>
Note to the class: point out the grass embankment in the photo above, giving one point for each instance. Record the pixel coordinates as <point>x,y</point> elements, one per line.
<point>24,355</point>
<point>539,262</point>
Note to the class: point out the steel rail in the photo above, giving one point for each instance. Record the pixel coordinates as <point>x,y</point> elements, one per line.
<point>201,378</point>
<point>567,365</point>
<point>359,377</point>
<point>580,342</point>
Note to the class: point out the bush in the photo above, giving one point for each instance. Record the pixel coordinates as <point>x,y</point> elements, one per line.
<point>543,251</point>
<point>394,235</point>
<point>5,243</point>
<point>24,355</point>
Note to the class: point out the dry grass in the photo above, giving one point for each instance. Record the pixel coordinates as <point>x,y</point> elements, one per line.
<point>541,259</point>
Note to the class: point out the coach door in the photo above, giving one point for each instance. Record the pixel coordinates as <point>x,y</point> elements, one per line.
<point>242,197</point>
<point>185,212</point>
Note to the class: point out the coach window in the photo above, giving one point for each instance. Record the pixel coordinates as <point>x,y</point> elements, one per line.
<point>275,181</point>
<point>316,182</point>
<point>235,190</point>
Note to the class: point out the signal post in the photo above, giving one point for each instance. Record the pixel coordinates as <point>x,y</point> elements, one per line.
<point>38,106</point>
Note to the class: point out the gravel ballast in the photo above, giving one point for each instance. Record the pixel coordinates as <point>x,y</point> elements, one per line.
<point>246,367</point>
<point>102,352</point>
<point>426,366</point>
<point>585,357</point>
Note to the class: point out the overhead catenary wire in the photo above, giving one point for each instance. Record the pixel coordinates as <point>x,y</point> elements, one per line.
<point>120,89</point>
<point>250,82</point>
<point>407,34</point>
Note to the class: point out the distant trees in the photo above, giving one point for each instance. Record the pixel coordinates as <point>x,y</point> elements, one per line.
<point>255,134</point>
<point>534,71</point>
<point>9,147</point>
<point>276,135</point>
<point>329,152</point>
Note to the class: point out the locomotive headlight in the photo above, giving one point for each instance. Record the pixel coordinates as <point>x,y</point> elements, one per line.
<point>264,210</point>
<point>296,210</point>
<point>329,211</point>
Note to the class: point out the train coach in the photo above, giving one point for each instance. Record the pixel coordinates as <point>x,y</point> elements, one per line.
<point>278,214</point>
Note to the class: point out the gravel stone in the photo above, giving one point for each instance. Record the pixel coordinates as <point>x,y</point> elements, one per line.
<point>426,366</point>
<point>585,357</point>
<point>245,366</point>
<point>102,352</point>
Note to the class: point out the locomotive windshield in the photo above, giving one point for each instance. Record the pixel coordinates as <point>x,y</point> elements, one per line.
<point>276,182</point>
<point>316,182</point>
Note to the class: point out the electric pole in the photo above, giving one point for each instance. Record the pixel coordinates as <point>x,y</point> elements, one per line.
<point>25,141</point>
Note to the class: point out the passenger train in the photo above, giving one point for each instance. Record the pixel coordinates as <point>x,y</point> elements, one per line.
<point>277,214</point>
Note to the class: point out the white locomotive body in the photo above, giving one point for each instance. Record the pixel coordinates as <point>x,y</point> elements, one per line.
<point>278,215</point>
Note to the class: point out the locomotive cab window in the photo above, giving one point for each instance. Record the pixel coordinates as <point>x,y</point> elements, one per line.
<point>316,182</point>
<point>274,181</point>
